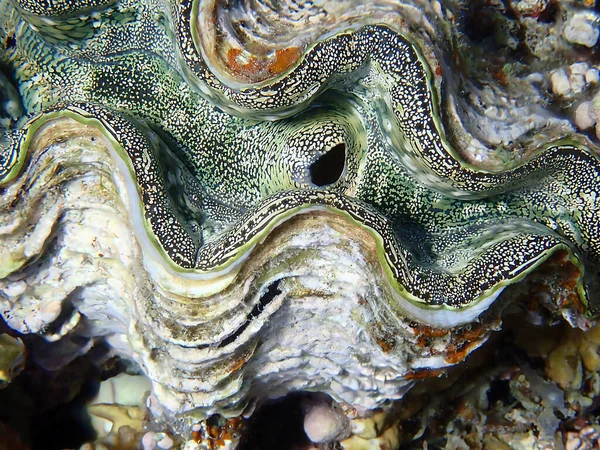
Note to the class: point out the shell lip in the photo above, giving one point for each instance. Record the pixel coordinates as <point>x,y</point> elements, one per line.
<point>220,261</point>
<point>357,213</point>
<point>257,224</point>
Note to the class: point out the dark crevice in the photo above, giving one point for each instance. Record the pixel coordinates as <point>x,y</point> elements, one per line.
<point>67,312</point>
<point>328,168</point>
<point>480,22</point>
<point>264,300</point>
<point>45,409</point>
<point>500,392</point>
<point>520,31</point>
<point>550,12</point>
<point>277,424</point>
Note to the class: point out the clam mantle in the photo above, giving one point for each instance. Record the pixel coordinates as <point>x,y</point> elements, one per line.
<point>246,219</point>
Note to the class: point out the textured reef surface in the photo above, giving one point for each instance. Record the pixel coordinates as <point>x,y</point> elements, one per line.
<point>329,201</point>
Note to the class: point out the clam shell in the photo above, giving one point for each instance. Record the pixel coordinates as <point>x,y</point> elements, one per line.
<point>253,203</point>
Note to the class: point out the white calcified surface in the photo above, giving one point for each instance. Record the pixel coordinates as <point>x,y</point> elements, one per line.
<point>72,251</point>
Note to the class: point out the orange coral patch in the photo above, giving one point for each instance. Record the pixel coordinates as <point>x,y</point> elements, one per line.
<point>458,354</point>
<point>257,69</point>
<point>252,68</point>
<point>218,435</point>
<point>284,59</point>
<point>424,373</point>
<point>385,344</point>
<point>429,332</point>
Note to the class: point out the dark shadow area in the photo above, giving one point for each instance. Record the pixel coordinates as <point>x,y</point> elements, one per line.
<point>328,168</point>
<point>278,424</point>
<point>45,409</point>
<point>264,300</point>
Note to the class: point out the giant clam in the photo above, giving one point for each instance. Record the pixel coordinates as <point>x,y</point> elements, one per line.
<point>250,200</point>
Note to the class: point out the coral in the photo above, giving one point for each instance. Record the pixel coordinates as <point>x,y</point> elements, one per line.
<point>324,420</point>
<point>582,29</point>
<point>120,402</point>
<point>12,358</point>
<point>248,201</point>
<point>126,438</point>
